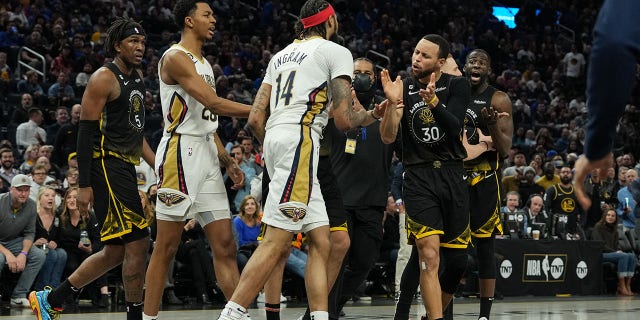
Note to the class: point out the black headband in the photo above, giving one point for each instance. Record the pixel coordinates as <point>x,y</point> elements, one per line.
<point>132,30</point>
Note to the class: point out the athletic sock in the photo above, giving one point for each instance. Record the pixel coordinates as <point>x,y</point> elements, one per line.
<point>134,310</point>
<point>273,311</point>
<point>485,307</point>
<point>320,315</point>
<point>58,295</point>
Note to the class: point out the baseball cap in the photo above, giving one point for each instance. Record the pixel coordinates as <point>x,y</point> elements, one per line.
<point>71,156</point>
<point>20,180</point>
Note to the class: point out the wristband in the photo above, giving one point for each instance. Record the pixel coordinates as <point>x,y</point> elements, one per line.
<point>24,253</point>
<point>86,131</point>
<point>486,145</point>
<point>435,97</point>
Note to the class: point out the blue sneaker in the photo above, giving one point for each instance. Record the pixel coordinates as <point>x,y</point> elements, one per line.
<point>41,307</point>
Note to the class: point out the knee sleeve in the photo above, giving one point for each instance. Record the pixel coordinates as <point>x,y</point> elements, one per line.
<point>455,265</point>
<point>486,258</point>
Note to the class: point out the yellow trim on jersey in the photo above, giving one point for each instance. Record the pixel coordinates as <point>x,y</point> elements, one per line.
<point>460,242</point>
<point>301,187</point>
<point>170,164</point>
<point>200,59</point>
<point>118,223</point>
<point>342,227</point>
<point>177,109</point>
<point>317,105</point>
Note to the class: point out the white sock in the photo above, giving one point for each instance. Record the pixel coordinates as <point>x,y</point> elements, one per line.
<point>146,317</point>
<point>319,315</point>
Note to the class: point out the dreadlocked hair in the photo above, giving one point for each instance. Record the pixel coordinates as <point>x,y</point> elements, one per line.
<point>114,33</point>
<point>310,8</point>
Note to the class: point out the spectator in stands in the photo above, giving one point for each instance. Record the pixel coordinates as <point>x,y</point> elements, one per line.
<point>62,118</point>
<point>31,85</point>
<point>192,252</point>
<point>67,138</point>
<point>52,172</point>
<point>512,203</point>
<point>238,155</point>
<point>30,132</point>
<point>151,81</point>
<point>61,93</point>
<point>607,230</point>
<point>7,170</point>
<point>30,156</point>
<point>550,177</point>
<point>63,63</point>
<point>535,213</point>
<point>5,72</point>
<point>36,42</point>
<point>21,113</point>
<point>519,160</point>
<point>17,231</point>
<point>47,238</point>
<point>527,186</point>
<point>71,179</point>
<point>78,249</point>
<point>247,226</point>
<point>83,76</point>
<point>39,178</point>
<point>626,202</point>
<point>560,200</point>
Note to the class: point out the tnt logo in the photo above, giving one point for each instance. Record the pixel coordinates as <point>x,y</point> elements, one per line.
<point>506,268</point>
<point>582,270</point>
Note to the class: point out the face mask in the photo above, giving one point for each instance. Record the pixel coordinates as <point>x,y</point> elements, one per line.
<point>363,86</point>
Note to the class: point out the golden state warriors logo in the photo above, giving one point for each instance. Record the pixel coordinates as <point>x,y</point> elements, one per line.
<point>136,110</point>
<point>424,126</point>
<point>470,126</point>
<point>170,199</point>
<point>568,205</point>
<point>295,213</point>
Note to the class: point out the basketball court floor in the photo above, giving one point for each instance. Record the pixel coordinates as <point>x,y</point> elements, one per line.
<point>521,308</point>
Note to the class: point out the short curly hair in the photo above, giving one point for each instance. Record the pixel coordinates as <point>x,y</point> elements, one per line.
<point>183,9</point>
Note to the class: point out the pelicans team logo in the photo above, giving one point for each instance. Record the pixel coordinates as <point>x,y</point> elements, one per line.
<point>136,110</point>
<point>169,199</point>
<point>295,213</point>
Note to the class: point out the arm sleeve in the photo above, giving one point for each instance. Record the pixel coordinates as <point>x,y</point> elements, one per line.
<point>452,117</point>
<point>396,182</point>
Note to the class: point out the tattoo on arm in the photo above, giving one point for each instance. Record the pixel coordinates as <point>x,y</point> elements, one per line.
<point>260,111</point>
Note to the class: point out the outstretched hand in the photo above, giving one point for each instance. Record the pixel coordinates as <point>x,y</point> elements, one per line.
<point>582,168</point>
<point>492,115</point>
<point>392,88</point>
<point>429,94</point>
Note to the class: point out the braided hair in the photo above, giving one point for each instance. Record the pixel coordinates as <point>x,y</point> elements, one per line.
<point>116,31</point>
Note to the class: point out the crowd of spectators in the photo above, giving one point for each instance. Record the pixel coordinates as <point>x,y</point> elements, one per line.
<point>540,64</point>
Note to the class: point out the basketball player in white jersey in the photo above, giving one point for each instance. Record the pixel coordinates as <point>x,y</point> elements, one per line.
<point>299,82</point>
<point>188,158</point>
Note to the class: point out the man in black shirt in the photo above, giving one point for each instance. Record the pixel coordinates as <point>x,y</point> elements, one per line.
<point>361,164</point>
<point>435,192</point>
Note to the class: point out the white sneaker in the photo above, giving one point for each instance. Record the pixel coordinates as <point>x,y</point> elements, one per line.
<point>230,314</point>
<point>283,298</point>
<point>20,303</point>
<point>260,297</point>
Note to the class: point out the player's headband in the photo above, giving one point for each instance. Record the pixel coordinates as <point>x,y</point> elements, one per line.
<point>317,18</point>
<point>132,30</point>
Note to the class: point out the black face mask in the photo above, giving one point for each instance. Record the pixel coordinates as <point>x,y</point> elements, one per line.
<point>363,86</point>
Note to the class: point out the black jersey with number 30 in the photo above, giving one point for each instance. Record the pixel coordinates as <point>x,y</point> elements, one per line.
<point>434,134</point>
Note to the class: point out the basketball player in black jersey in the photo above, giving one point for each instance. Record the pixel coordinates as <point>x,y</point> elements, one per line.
<point>488,128</point>
<point>434,189</point>
<point>110,143</point>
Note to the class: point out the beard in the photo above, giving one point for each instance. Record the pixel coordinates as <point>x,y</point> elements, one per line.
<point>423,74</point>
<point>6,165</point>
<point>565,179</point>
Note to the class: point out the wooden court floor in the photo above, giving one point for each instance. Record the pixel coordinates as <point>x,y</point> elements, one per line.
<point>521,308</point>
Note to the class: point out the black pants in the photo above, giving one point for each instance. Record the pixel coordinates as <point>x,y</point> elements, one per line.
<point>365,231</point>
<point>194,254</point>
